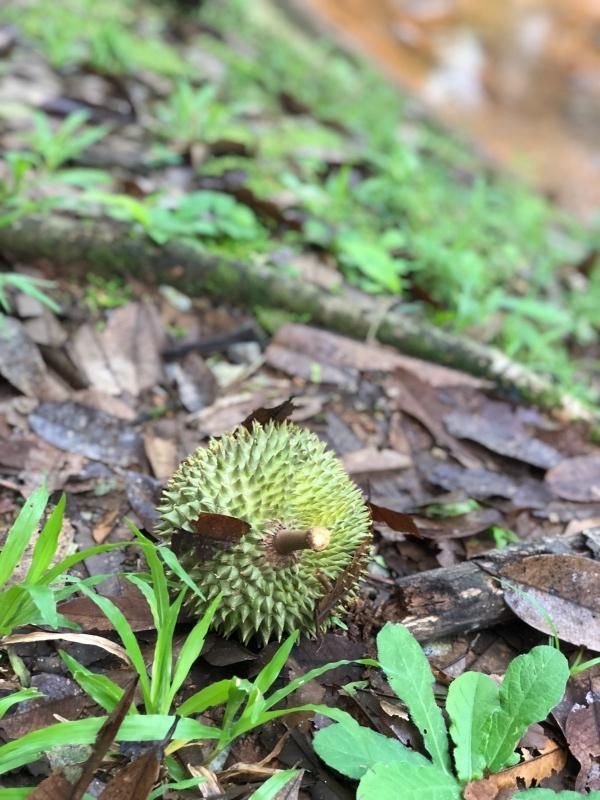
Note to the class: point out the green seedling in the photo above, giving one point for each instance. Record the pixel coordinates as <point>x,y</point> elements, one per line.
<point>33,600</point>
<point>486,722</point>
<point>34,287</point>
<point>54,147</point>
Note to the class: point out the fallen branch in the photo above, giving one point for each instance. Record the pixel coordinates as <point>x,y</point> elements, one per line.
<point>74,245</point>
<point>467,597</point>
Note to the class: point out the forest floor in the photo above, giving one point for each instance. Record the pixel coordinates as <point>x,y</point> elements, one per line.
<point>202,127</point>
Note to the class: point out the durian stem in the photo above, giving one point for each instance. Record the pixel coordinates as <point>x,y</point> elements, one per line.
<point>287,541</point>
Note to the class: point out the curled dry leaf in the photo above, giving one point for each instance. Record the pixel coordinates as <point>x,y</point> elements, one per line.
<point>536,769</point>
<point>276,414</point>
<point>557,593</point>
<point>582,730</point>
<point>576,479</point>
<point>216,532</point>
<point>78,638</point>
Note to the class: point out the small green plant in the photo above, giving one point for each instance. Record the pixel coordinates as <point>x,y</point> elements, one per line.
<point>33,600</point>
<point>27,285</point>
<point>54,147</point>
<point>196,216</point>
<point>105,292</point>
<point>486,722</point>
<point>246,704</point>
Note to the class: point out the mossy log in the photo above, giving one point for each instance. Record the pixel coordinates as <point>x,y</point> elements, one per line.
<point>73,246</point>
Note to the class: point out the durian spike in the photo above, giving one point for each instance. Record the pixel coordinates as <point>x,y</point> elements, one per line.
<point>287,541</point>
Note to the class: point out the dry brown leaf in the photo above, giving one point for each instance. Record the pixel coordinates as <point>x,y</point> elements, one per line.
<point>53,787</point>
<point>370,459</point>
<point>582,730</point>
<point>536,769</point>
<point>162,455</point>
<point>78,638</point>
<point>557,593</point>
<point>84,612</point>
<point>576,479</point>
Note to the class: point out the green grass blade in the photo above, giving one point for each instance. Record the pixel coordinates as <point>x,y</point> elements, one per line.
<point>282,693</point>
<point>21,532</point>
<point>99,687</point>
<point>214,695</point>
<point>45,547</point>
<point>135,728</point>
<point>192,648</point>
<point>17,697</point>
<point>126,634</point>
<point>271,788</point>
<point>270,672</point>
<point>44,600</point>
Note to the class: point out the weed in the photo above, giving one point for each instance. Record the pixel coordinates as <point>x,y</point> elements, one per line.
<point>34,287</point>
<point>33,601</point>
<point>246,704</point>
<point>486,722</point>
<point>105,293</point>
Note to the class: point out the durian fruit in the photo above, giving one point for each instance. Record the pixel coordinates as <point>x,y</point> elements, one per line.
<point>308,528</point>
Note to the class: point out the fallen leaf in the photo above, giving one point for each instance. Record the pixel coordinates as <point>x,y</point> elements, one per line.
<point>458,527</point>
<point>303,366</point>
<point>343,583</point>
<point>162,455</point>
<point>582,730</point>
<point>536,769</point>
<point>557,593</point>
<point>370,459</point>
<point>53,787</point>
<point>79,638</point>
<point>92,433</point>
<point>502,433</point>
<point>213,532</point>
<point>264,415</point>
<point>85,612</point>
<point>397,521</point>
<point>576,479</point>
<point>196,384</point>
<point>22,365</point>
<point>345,353</point>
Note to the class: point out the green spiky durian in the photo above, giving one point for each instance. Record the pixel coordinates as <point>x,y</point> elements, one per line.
<point>293,494</point>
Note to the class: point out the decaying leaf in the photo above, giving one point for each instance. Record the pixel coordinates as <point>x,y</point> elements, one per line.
<point>345,581</point>
<point>212,532</point>
<point>536,769</point>
<point>276,414</point>
<point>557,593</point>
<point>582,730</point>
<point>576,479</point>
<point>403,523</point>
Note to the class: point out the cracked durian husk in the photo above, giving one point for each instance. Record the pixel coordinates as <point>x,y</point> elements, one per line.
<point>277,477</point>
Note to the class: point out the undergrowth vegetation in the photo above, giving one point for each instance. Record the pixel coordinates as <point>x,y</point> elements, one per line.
<point>487,719</point>
<point>336,164</point>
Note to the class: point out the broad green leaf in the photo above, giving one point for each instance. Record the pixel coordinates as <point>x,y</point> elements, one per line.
<point>21,532</point>
<point>534,683</point>
<point>409,675</point>
<point>271,787</point>
<point>472,698</point>
<point>137,728</point>
<point>352,749</point>
<point>409,782</point>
